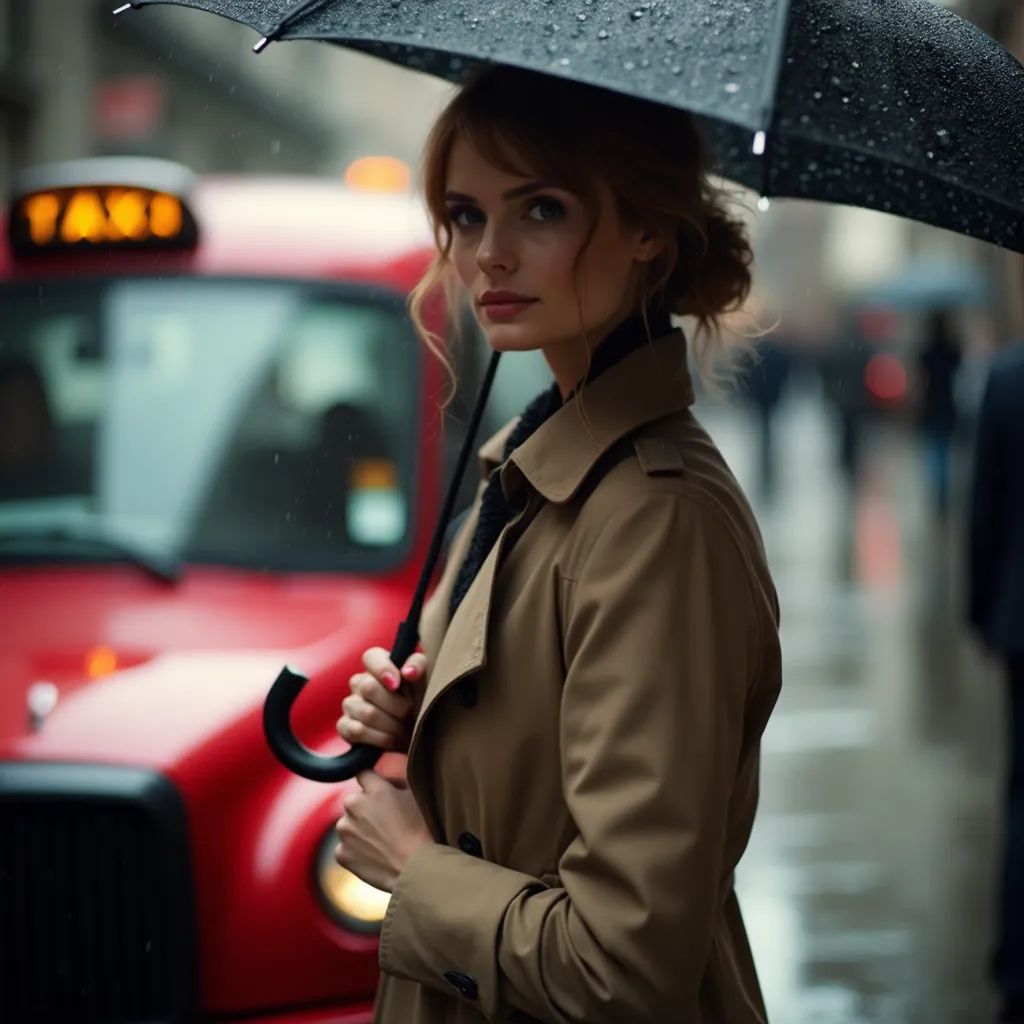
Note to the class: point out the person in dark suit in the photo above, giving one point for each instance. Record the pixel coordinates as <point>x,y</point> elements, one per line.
<point>939,363</point>
<point>996,611</point>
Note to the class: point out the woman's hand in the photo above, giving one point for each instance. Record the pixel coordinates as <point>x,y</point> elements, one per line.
<point>379,709</point>
<point>381,828</point>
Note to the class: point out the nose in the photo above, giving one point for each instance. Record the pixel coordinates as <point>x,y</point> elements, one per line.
<point>495,254</point>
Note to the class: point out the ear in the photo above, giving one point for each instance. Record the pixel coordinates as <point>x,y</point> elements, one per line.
<point>647,245</point>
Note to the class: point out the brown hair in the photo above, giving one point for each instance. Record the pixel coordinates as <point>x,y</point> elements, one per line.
<point>575,135</point>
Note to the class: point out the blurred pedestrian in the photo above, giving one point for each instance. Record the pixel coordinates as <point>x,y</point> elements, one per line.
<point>764,385</point>
<point>996,611</point>
<point>843,364</point>
<point>939,362</point>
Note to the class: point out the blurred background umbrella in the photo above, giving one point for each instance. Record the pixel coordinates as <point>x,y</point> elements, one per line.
<point>899,106</point>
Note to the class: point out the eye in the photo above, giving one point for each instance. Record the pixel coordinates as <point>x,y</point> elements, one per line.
<point>465,216</point>
<point>545,208</point>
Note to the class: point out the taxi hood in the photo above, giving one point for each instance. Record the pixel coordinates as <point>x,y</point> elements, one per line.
<point>150,674</point>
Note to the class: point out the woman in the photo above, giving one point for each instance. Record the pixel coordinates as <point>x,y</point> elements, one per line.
<point>600,656</point>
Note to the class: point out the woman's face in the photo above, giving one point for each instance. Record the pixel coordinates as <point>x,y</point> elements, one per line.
<point>514,246</point>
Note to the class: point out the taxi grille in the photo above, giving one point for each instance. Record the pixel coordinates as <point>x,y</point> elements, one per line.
<point>95,896</point>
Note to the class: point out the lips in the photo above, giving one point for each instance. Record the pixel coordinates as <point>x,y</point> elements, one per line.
<point>502,298</point>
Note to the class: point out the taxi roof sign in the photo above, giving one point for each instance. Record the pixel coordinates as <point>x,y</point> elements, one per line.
<point>107,203</point>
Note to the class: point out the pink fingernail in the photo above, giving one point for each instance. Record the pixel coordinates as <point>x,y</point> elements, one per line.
<point>391,681</point>
<point>410,672</point>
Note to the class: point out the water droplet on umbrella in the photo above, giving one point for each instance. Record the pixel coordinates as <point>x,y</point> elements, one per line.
<point>581,17</point>
<point>636,15</point>
<point>731,87</point>
<point>603,34</point>
<point>629,65</point>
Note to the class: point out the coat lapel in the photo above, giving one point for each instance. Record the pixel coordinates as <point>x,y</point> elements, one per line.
<point>464,647</point>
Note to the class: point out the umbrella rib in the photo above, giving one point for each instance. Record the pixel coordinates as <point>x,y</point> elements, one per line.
<point>290,17</point>
<point>771,86</point>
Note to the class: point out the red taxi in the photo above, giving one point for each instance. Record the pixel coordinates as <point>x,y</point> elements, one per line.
<point>220,451</point>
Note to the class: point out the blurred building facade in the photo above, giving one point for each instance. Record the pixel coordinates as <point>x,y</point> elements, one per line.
<point>76,80</point>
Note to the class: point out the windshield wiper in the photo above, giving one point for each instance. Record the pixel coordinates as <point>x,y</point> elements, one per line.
<point>161,566</point>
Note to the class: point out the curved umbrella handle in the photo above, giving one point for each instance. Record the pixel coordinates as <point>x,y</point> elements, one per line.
<point>297,757</point>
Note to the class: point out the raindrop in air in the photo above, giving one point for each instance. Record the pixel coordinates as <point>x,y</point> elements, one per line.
<point>764,203</point>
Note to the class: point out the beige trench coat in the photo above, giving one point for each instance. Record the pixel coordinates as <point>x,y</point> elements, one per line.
<point>586,753</point>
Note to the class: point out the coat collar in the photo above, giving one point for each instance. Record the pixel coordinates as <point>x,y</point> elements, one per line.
<point>651,382</point>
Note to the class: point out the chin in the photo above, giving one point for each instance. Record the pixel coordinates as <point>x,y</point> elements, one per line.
<point>512,337</point>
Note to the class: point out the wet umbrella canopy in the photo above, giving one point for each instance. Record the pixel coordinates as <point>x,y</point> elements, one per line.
<point>896,105</point>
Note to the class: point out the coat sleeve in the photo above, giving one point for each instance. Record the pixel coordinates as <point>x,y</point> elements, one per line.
<point>662,641</point>
<point>987,529</point>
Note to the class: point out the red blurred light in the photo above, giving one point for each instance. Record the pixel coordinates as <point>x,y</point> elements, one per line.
<point>885,378</point>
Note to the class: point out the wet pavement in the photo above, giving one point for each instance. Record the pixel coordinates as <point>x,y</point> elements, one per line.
<point>867,886</point>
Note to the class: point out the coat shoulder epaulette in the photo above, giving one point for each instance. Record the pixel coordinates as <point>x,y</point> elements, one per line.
<point>658,455</point>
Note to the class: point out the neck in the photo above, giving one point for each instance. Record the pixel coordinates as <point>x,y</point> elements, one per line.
<point>570,361</point>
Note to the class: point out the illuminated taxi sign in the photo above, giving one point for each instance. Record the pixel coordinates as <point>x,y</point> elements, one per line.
<point>100,217</point>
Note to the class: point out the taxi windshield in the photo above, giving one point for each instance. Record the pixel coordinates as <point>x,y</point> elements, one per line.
<point>267,424</point>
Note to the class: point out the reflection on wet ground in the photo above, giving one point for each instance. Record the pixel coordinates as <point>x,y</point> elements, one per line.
<point>867,884</point>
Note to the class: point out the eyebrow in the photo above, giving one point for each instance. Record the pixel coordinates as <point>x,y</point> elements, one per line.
<point>512,193</point>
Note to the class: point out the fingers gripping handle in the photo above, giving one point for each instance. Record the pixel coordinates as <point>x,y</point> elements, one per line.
<point>297,757</point>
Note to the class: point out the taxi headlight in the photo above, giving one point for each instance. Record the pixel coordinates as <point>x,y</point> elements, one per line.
<point>349,900</point>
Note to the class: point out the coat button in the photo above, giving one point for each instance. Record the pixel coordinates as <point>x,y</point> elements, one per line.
<point>468,694</point>
<point>468,843</point>
<point>465,984</point>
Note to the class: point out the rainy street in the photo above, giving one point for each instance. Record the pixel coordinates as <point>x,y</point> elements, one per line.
<point>348,677</point>
<point>867,884</point>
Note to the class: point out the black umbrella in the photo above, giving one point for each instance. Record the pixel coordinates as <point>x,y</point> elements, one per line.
<point>895,105</point>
